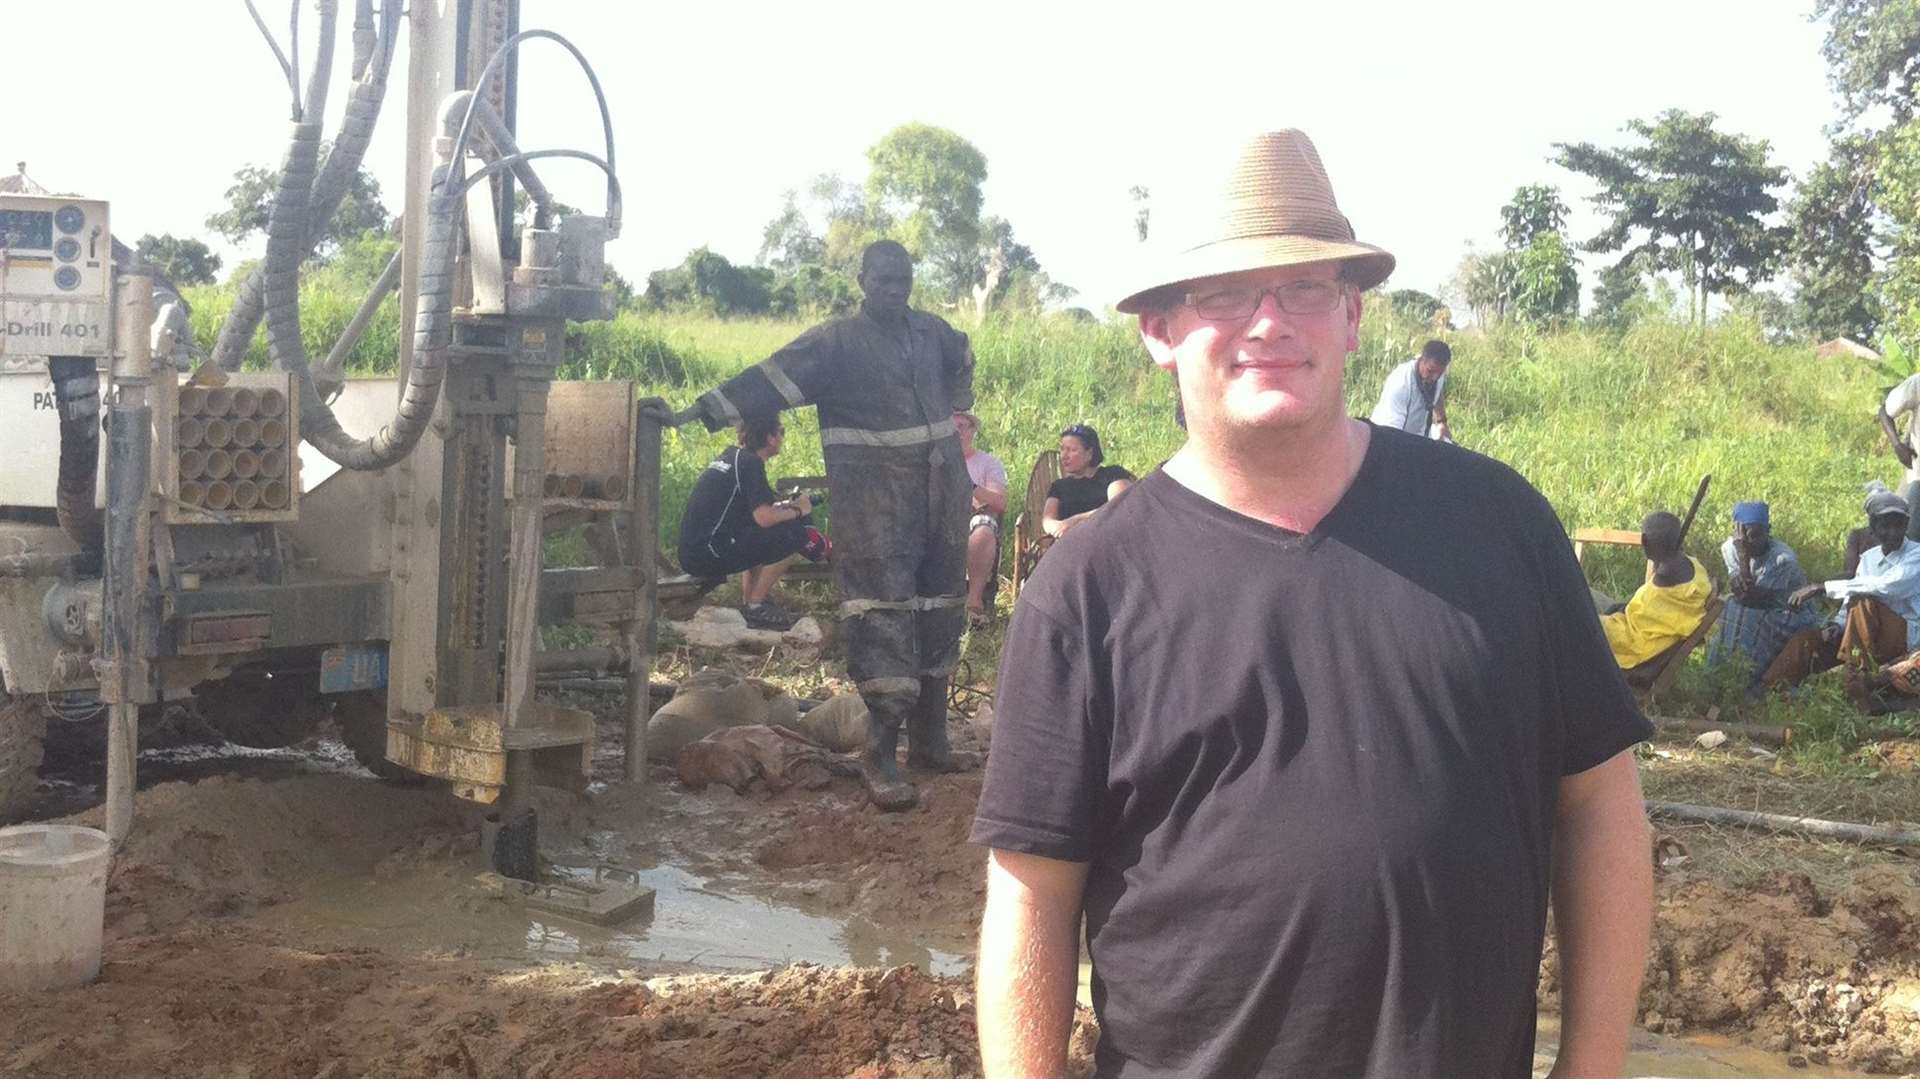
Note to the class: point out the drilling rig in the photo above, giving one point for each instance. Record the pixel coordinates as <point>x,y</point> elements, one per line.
<point>204,529</point>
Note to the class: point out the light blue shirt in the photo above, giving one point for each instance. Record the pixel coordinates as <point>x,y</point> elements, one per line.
<point>1402,405</point>
<point>1893,579</point>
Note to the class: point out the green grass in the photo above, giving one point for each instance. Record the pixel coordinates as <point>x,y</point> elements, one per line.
<point>1607,427</point>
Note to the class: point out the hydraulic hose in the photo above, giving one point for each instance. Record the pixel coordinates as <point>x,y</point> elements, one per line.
<point>76,390</point>
<point>336,179</point>
<point>433,316</point>
<point>504,146</point>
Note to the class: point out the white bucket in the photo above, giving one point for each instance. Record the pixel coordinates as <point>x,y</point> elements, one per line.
<point>53,896</point>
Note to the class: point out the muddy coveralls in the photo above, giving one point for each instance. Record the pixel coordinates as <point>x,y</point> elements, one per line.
<point>899,496</point>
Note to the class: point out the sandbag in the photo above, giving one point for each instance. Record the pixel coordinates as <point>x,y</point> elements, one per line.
<point>775,756</point>
<point>840,723</point>
<point>706,702</point>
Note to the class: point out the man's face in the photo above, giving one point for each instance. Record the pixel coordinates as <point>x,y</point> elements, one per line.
<point>964,425</point>
<point>1430,369</point>
<point>887,281</point>
<point>1268,370</point>
<point>1753,538</point>
<point>1890,530</point>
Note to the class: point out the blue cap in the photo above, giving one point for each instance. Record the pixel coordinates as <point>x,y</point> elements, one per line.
<point>1749,513</point>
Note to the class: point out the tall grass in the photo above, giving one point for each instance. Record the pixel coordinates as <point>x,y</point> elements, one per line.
<point>1607,427</point>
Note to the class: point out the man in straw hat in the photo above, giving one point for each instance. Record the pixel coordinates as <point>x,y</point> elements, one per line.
<point>1308,725</point>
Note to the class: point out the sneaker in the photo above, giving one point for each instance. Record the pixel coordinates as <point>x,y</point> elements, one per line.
<point>767,616</point>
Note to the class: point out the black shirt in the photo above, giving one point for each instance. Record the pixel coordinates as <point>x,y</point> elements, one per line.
<point>1314,775</point>
<point>1077,495</point>
<point>724,498</point>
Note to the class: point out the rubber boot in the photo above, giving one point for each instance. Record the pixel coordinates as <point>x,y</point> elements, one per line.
<point>927,746</point>
<point>880,768</point>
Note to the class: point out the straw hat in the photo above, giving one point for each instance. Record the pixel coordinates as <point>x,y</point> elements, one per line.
<point>1270,204</point>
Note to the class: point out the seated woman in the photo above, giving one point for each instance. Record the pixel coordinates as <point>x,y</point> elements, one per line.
<point>1762,573</point>
<point>733,523</point>
<point>1084,485</point>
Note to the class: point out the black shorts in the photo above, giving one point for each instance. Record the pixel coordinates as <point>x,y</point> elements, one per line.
<point>736,552</point>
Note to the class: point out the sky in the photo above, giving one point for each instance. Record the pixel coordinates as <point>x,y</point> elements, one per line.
<point>1427,116</point>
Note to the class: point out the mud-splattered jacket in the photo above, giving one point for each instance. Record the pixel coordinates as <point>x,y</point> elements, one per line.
<point>874,388</point>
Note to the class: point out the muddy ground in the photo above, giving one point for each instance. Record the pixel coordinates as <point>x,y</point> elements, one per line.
<point>287,915</point>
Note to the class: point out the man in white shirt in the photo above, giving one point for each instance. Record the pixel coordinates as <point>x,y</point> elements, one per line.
<point>983,528</point>
<point>1879,617</point>
<point>1904,400</point>
<point>1414,398</point>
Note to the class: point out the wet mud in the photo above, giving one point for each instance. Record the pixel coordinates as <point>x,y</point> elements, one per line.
<point>281,913</point>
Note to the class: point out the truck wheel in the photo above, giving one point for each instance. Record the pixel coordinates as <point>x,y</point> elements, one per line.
<point>23,724</point>
<point>251,707</point>
<point>362,716</point>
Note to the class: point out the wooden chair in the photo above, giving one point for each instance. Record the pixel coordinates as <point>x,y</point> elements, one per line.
<point>1029,542</point>
<point>1651,678</point>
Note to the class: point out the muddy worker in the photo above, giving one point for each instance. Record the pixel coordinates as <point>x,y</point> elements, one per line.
<point>1291,859</point>
<point>886,383</point>
<point>1879,617</point>
<point>1668,607</point>
<point>1414,397</point>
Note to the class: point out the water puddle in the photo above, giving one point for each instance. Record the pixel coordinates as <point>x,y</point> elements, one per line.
<point>711,923</point>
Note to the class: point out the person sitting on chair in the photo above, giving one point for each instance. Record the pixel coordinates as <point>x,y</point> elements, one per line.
<point>1761,572</point>
<point>1085,484</point>
<point>983,528</point>
<point>1879,616</point>
<point>1665,609</point>
<point>734,523</point>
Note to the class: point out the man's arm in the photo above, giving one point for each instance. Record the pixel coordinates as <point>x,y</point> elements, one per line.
<point>1602,912</point>
<point>1900,448</point>
<point>1028,966</point>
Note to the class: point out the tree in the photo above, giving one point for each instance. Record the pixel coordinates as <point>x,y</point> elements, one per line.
<point>787,242</point>
<point>184,262</point>
<point>1873,54</point>
<point>1536,211</point>
<point>1695,196</point>
<point>708,282</point>
<point>1543,281</point>
<point>927,180</point>
<point>1831,225</point>
<point>250,202</point>
<point>1142,211</point>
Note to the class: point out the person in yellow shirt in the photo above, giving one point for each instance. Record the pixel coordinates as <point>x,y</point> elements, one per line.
<point>1665,609</point>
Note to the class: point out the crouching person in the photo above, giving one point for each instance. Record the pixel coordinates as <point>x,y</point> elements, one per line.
<point>735,524</point>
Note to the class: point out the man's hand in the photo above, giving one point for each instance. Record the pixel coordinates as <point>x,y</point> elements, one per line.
<point>1800,596</point>
<point>802,503</point>
<point>664,414</point>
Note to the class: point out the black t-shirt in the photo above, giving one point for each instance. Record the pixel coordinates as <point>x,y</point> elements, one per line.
<point>1077,495</point>
<point>724,497</point>
<point>1314,775</point>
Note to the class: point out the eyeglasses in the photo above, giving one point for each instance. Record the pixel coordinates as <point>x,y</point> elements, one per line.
<point>1294,297</point>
